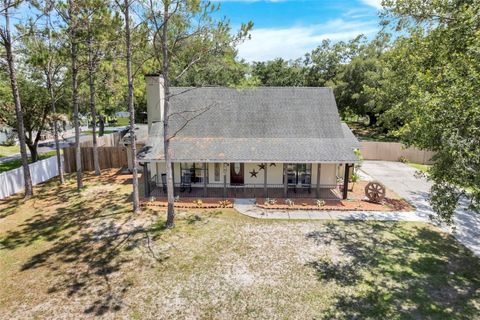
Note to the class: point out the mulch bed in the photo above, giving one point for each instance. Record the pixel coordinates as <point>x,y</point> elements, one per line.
<point>206,203</point>
<point>338,205</point>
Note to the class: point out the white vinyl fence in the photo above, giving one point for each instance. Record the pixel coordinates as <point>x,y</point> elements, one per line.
<point>12,182</point>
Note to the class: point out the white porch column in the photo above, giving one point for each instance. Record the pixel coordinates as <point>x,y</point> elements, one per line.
<point>319,171</point>
<point>265,189</point>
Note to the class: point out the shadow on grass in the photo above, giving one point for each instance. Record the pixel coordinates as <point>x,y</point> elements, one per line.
<point>389,269</point>
<point>89,240</point>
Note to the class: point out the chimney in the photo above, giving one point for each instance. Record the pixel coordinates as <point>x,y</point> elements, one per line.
<point>155,98</point>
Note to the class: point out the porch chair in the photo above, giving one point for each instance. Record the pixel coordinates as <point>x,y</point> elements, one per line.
<point>186,182</point>
<point>306,180</point>
<point>164,182</point>
<point>291,181</point>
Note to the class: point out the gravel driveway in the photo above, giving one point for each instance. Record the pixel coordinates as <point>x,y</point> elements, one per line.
<point>401,178</point>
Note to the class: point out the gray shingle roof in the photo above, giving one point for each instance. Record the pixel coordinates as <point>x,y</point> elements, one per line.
<point>274,124</point>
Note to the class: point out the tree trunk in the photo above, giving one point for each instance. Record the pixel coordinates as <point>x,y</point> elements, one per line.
<point>55,126</point>
<point>166,139</point>
<point>73,57</point>
<point>101,121</point>
<point>53,106</point>
<point>18,106</point>
<point>133,138</point>
<point>91,82</point>
<point>33,151</point>
<point>373,119</point>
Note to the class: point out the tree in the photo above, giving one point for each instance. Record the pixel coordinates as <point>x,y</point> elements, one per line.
<point>357,79</point>
<point>7,43</point>
<point>69,12</point>
<point>125,8</point>
<point>324,62</point>
<point>279,73</point>
<point>174,24</point>
<point>42,49</point>
<point>436,64</point>
<point>99,32</point>
<point>36,110</point>
<point>52,64</point>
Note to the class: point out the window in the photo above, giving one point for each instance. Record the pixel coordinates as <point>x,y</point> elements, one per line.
<point>196,170</point>
<point>299,173</point>
<point>217,171</point>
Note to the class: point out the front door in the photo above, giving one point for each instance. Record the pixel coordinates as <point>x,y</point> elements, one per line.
<point>236,173</point>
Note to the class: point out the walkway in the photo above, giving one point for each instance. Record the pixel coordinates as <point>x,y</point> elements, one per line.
<point>247,207</point>
<point>398,177</point>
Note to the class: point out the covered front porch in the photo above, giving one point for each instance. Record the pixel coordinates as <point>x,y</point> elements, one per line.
<point>328,181</point>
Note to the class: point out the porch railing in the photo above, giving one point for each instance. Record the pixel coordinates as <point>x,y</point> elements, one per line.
<point>219,190</point>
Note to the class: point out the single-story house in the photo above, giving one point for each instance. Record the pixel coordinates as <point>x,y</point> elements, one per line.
<point>275,142</point>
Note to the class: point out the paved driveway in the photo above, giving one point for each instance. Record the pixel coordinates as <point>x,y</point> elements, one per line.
<point>401,178</point>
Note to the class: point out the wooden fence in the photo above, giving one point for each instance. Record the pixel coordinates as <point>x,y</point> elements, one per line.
<point>108,140</point>
<point>393,151</point>
<point>108,157</point>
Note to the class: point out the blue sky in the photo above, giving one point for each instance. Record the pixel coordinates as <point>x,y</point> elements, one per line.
<point>290,28</point>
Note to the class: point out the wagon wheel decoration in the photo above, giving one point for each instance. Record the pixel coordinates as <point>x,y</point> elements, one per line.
<point>375,191</point>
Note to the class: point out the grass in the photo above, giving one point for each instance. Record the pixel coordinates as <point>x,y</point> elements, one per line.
<point>123,122</point>
<point>69,254</point>
<point>17,163</point>
<point>6,151</point>
<point>420,167</point>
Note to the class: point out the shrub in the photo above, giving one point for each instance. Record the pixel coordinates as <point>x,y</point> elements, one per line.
<point>320,203</point>
<point>225,203</point>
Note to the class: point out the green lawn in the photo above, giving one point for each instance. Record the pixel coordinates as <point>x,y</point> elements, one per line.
<point>420,167</point>
<point>9,150</point>
<point>122,122</point>
<point>69,254</point>
<point>13,164</point>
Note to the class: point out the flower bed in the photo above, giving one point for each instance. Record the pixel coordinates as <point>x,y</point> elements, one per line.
<point>337,205</point>
<point>192,203</point>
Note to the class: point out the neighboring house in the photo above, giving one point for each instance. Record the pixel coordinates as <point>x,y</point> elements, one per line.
<point>259,142</point>
<point>8,135</point>
<point>122,114</point>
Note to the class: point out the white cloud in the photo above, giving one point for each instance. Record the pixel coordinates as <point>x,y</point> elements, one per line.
<point>294,42</point>
<point>377,4</point>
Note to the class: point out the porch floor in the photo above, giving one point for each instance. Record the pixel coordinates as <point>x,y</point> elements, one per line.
<point>249,192</point>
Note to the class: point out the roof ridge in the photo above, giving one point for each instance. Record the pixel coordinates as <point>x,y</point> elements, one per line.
<point>252,88</point>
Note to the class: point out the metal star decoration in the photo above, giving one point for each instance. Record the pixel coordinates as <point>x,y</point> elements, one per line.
<point>273,164</point>
<point>253,173</point>
<point>261,166</point>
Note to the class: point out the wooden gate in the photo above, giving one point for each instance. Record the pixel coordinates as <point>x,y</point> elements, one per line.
<point>108,157</point>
